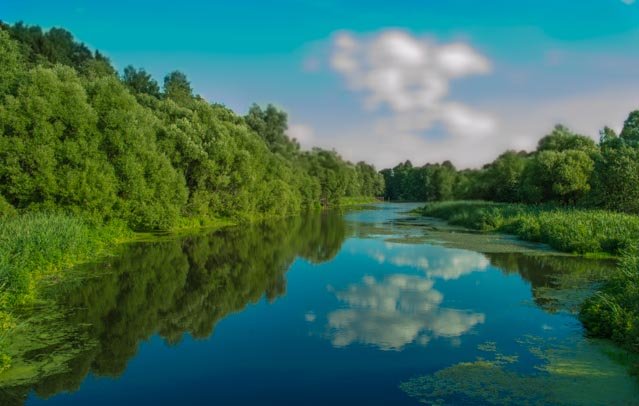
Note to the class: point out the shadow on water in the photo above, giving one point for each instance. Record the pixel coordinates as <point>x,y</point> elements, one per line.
<point>170,288</point>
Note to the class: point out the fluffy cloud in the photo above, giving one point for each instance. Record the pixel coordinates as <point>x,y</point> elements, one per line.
<point>397,311</point>
<point>408,111</point>
<point>411,77</point>
<point>522,122</point>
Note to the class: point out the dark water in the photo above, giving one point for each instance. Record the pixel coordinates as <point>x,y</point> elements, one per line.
<point>361,308</point>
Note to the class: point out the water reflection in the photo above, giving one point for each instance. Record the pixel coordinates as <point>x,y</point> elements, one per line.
<point>396,311</point>
<point>432,260</point>
<point>186,286</point>
<point>558,283</point>
<point>166,288</point>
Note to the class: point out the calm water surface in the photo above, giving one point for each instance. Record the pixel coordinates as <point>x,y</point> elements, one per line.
<point>368,307</point>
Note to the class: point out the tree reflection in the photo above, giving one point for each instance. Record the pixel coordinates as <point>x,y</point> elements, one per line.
<point>558,282</point>
<point>171,288</point>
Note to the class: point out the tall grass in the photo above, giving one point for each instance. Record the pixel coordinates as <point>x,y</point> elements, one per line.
<point>565,229</point>
<point>614,311</point>
<point>35,243</point>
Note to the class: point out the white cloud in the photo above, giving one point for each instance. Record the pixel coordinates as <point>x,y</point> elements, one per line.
<point>628,2</point>
<point>411,76</point>
<point>403,83</point>
<point>397,311</point>
<point>522,122</point>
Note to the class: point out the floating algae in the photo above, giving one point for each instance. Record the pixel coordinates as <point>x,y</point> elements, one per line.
<point>572,372</point>
<point>40,346</point>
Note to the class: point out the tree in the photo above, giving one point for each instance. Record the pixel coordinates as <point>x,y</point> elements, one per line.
<point>271,124</point>
<point>562,139</point>
<point>140,82</point>
<point>630,132</point>
<point>178,88</point>
<point>503,176</point>
<point>616,177</point>
<point>557,176</point>
<point>11,64</point>
<point>50,148</point>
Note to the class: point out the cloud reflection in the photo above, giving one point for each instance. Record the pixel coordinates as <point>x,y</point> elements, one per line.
<point>394,312</point>
<point>452,264</point>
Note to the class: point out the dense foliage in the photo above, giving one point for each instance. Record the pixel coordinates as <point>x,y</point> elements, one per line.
<point>566,169</point>
<point>76,137</point>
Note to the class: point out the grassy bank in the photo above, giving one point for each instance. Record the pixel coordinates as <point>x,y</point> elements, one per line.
<point>611,313</point>
<point>564,229</point>
<point>35,246</point>
<point>614,311</point>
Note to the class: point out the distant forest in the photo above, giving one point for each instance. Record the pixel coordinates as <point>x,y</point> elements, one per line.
<point>78,136</point>
<point>566,169</point>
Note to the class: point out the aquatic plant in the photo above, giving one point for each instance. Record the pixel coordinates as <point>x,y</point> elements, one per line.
<point>569,372</point>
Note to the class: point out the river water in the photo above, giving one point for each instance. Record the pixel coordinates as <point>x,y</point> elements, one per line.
<point>373,306</point>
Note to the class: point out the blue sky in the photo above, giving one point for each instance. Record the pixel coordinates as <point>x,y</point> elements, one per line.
<point>383,81</point>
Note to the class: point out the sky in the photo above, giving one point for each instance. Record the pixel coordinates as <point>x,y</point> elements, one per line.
<point>382,81</point>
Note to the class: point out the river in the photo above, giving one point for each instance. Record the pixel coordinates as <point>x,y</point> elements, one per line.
<point>373,306</point>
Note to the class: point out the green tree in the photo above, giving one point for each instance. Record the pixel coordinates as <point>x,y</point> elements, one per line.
<point>178,88</point>
<point>503,177</point>
<point>49,147</point>
<point>271,124</point>
<point>630,131</point>
<point>140,82</point>
<point>11,64</point>
<point>562,139</point>
<point>557,176</point>
<point>616,177</point>
<point>151,192</point>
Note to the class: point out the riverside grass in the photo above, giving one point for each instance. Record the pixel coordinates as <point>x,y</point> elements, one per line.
<point>43,244</point>
<point>573,230</point>
<point>613,312</point>
<point>39,243</point>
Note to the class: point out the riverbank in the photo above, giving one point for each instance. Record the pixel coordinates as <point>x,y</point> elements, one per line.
<point>577,231</point>
<point>37,248</point>
<point>611,313</point>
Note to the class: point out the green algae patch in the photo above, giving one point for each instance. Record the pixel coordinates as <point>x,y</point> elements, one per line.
<point>40,346</point>
<point>572,372</point>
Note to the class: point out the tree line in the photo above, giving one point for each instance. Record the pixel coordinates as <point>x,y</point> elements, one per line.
<point>566,168</point>
<point>77,136</point>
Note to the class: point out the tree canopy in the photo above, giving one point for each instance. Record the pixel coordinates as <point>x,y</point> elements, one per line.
<point>75,136</point>
<point>566,168</point>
